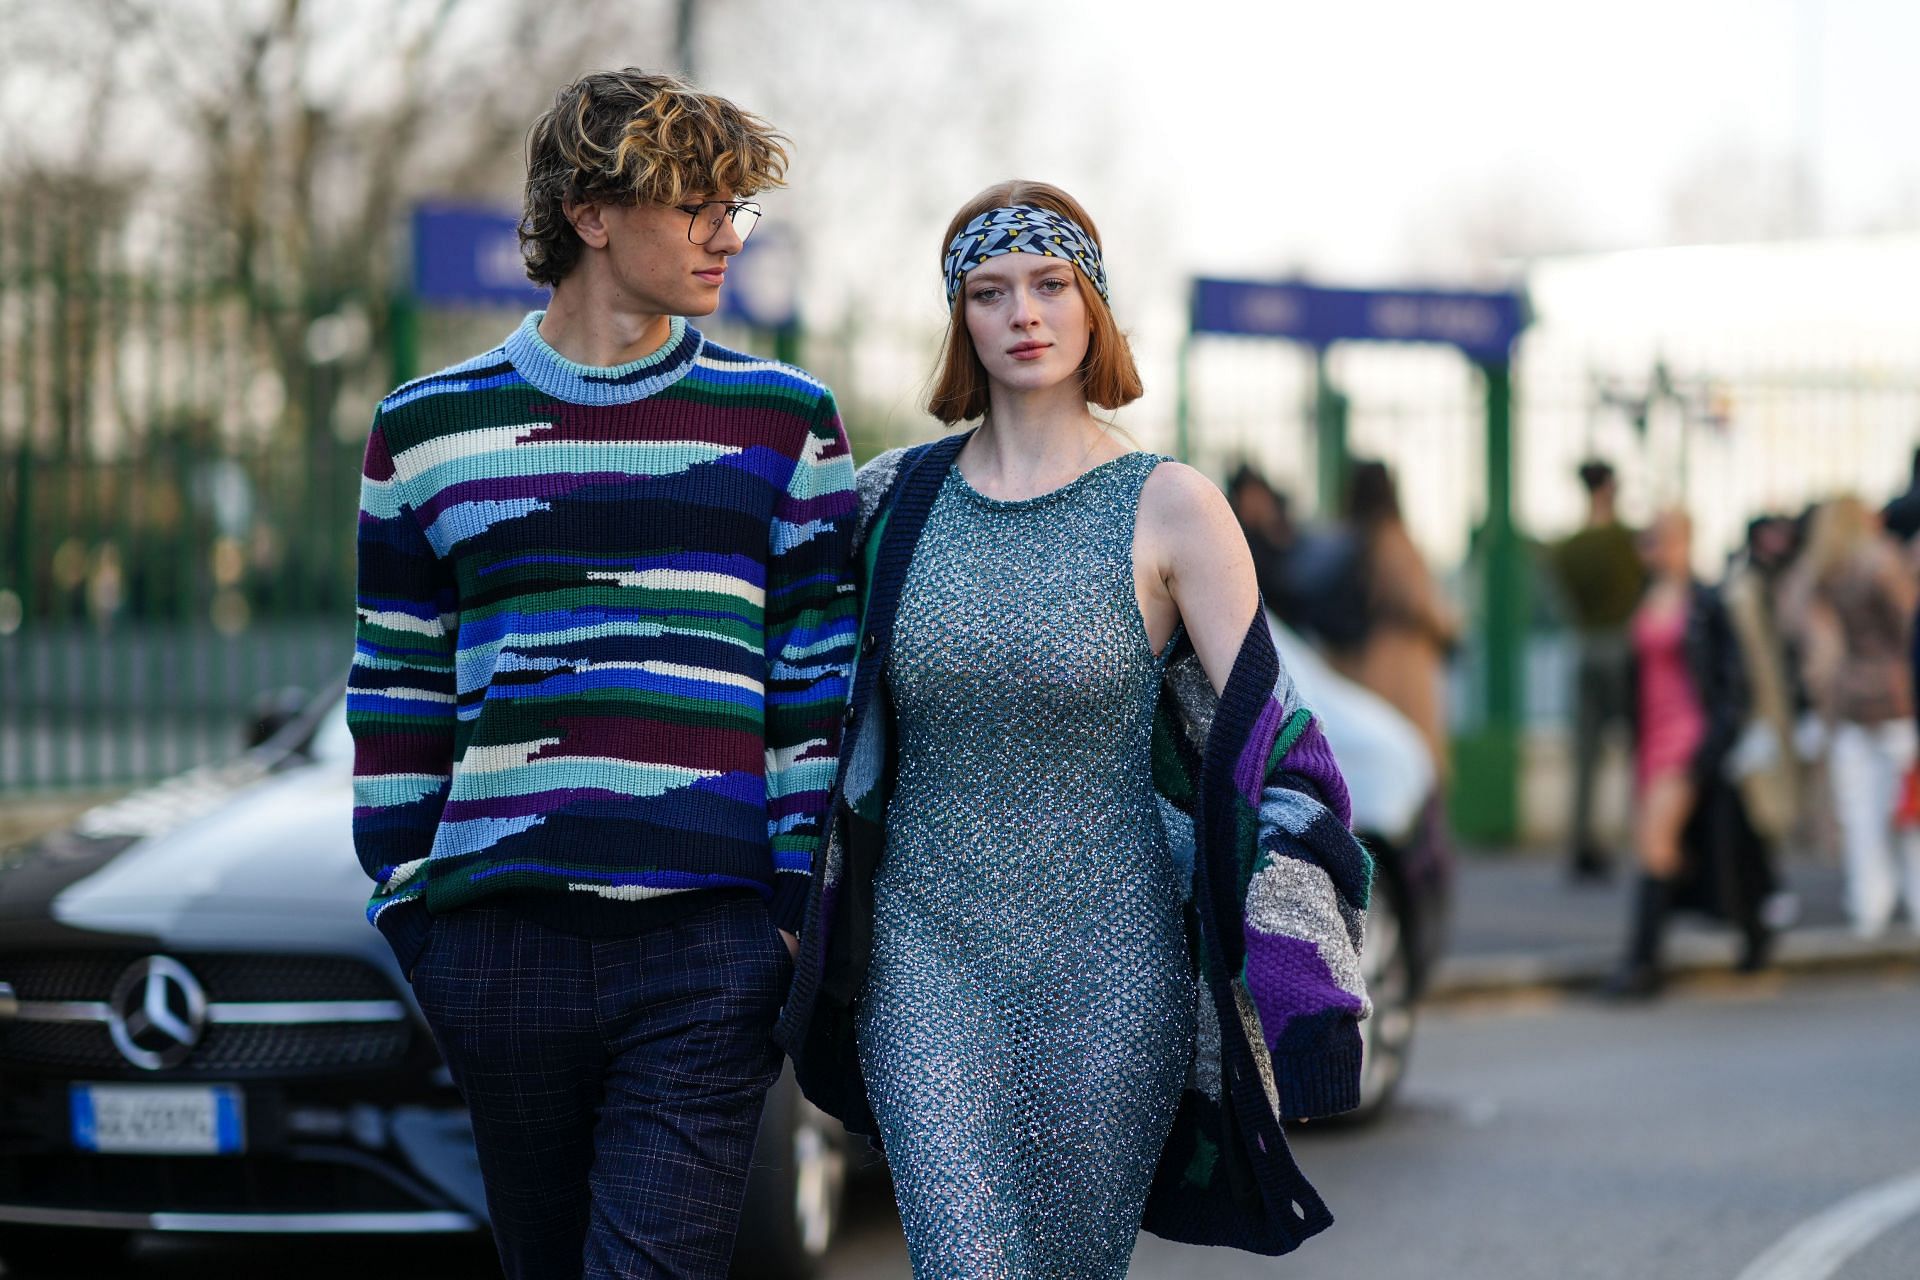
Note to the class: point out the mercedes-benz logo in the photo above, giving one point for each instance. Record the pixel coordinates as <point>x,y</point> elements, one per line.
<point>156,1013</point>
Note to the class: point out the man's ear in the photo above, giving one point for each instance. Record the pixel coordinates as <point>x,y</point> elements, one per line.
<point>589,222</point>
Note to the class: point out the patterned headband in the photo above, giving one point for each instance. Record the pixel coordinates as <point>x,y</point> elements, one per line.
<point>1022,229</point>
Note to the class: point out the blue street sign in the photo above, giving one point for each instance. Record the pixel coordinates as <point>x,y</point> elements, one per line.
<point>1483,325</point>
<point>465,255</point>
<point>763,280</point>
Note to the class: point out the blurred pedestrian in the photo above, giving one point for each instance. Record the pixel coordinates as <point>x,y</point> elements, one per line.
<point>1901,516</point>
<point>1765,762</point>
<point>1266,522</point>
<point>1860,612</point>
<point>1411,628</point>
<point>1601,576</point>
<point>1694,845</point>
<point>1005,989</point>
<point>605,620</point>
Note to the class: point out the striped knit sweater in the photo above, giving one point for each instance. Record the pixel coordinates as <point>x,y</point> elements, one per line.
<point>604,626</point>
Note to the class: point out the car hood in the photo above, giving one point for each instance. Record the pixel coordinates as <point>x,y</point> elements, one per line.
<point>218,857</point>
<point>1389,774</point>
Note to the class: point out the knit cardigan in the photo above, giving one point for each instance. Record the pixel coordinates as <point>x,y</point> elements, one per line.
<point>1246,781</point>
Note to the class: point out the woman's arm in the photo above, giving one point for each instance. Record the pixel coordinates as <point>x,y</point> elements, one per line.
<point>1191,565</point>
<point>1303,890</point>
<point>1404,589</point>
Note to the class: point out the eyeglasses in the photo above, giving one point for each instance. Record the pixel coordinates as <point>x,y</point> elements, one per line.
<point>704,219</point>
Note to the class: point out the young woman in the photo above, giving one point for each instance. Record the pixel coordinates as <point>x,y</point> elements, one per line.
<point>1411,628</point>
<point>1695,845</point>
<point>1858,626</point>
<point>997,977</point>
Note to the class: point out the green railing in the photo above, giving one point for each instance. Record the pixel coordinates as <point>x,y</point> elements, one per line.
<point>179,461</point>
<point>180,443</point>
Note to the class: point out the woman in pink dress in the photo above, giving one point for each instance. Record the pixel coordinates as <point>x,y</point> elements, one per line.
<point>1689,703</point>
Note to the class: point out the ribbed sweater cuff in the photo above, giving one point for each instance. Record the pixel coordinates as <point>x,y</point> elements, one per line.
<point>1324,1082</point>
<point>405,926</point>
<point>788,906</point>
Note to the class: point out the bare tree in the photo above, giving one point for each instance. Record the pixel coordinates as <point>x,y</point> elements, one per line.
<point>1482,234</point>
<point>294,135</point>
<point>1735,191</point>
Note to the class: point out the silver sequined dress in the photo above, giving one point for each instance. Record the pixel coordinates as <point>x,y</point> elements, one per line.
<point>1028,1018</point>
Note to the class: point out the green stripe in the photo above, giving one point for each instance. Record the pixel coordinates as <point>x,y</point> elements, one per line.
<point>569,599</point>
<point>1289,734</point>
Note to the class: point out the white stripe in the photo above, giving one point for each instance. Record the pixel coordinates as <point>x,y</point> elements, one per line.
<point>682,580</point>
<point>780,759</point>
<point>408,695</point>
<point>706,675</point>
<point>396,621</point>
<point>502,755</point>
<point>401,874</point>
<point>1820,1246</point>
<point>754,366</point>
<point>465,444</point>
<point>624,892</point>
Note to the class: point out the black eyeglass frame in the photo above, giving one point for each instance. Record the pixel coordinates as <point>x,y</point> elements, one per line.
<point>734,208</point>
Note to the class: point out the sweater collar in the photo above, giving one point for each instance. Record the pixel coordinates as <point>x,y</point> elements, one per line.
<point>574,383</point>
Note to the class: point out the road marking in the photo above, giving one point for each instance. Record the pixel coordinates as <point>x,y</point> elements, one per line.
<point>1820,1246</point>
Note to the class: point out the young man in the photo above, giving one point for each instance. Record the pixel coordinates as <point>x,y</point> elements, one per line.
<point>605,621</point>
<point>1600,572</point>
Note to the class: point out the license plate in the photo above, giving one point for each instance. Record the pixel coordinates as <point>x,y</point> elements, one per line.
<point>158,1119</point>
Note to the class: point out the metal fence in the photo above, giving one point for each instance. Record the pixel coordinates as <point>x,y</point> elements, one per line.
<point>180,438</point>
<point>1725,380</point>
<point>179,447</point>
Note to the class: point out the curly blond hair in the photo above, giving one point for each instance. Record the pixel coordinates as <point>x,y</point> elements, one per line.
<point>630,136</point>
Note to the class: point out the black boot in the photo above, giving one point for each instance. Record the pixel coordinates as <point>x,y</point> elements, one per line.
<point>1589,865</point>
<point>1639,975</point>
<point>1756,943</point>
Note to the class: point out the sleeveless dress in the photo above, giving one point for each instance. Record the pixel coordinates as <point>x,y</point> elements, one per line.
<point>1027,1023</point>
<point>1672,722</point>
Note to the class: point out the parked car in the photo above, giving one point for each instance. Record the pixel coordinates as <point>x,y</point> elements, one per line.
<point>199,1032</point>
<point>1398,815</point>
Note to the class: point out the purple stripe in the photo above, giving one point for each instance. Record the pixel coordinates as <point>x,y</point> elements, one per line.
<point>828,506</point>
<point>405,751</point>
<point>810,801</point>
<point>1250,771</point>
<point>621,738</point>
<point>1287,979</point>
<point>1312,758</point>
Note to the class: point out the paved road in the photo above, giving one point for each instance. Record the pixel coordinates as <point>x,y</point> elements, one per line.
<point>1557,1140</point>
<point>1567,1140</point>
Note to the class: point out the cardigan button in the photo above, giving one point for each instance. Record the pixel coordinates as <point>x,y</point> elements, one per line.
<point>868,645</point>
<point>846,717</point>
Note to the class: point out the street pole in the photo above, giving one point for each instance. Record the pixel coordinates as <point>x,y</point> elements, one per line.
<point>683,36</point>
<point>403,336</point>
<point>1183,403</point>
<point>1330,439</point>
<point>1486,785</point>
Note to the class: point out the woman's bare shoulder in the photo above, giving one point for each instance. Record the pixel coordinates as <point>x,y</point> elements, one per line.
<point>1181,499</point>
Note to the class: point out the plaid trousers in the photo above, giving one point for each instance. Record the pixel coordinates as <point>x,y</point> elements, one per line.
<point>615,1083</point>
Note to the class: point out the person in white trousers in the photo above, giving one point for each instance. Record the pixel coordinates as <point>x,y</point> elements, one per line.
<point>1858,635</point>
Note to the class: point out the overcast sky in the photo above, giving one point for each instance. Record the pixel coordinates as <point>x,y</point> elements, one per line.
<point>1357,139</point>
